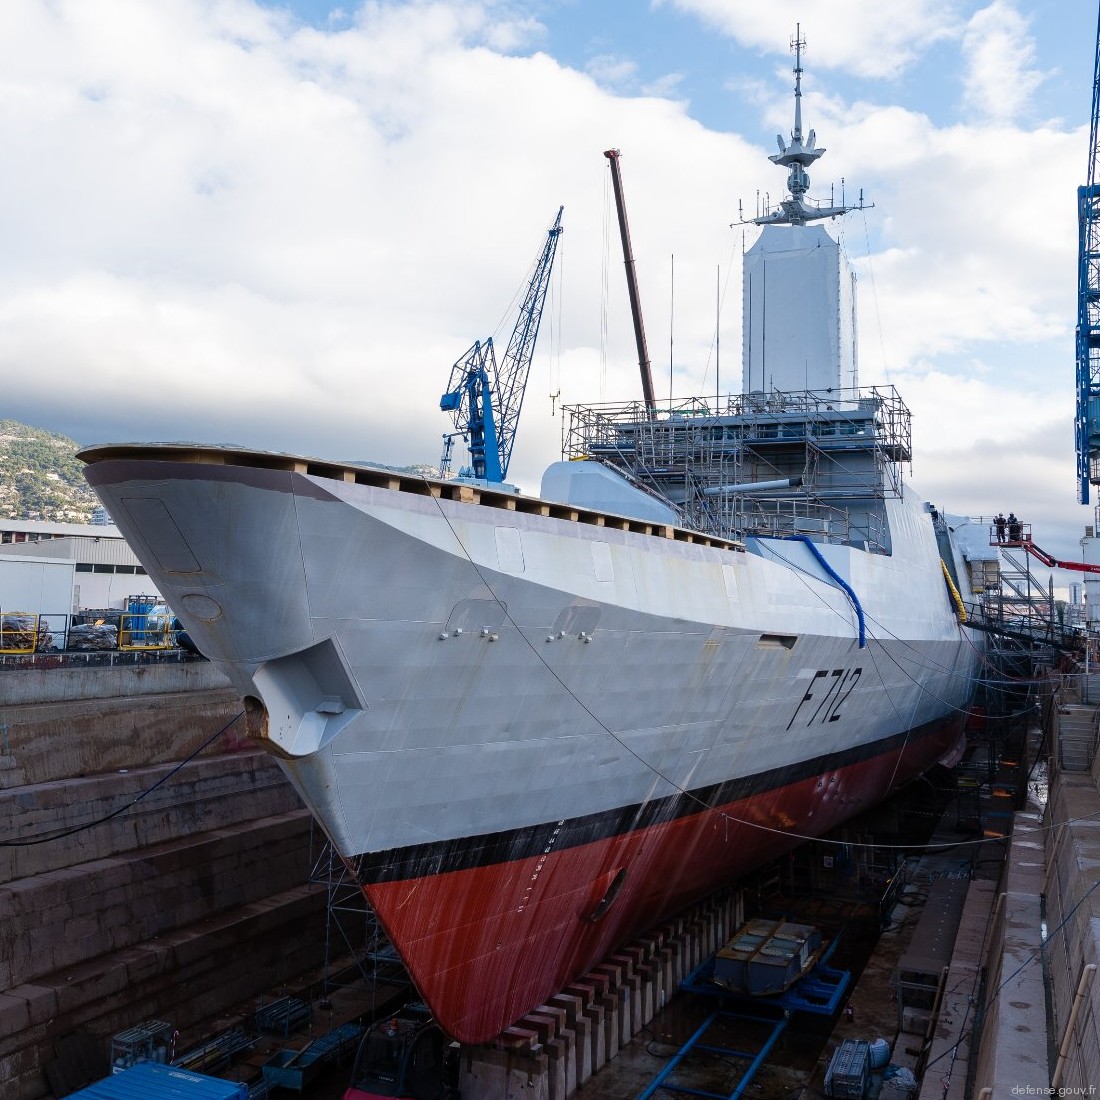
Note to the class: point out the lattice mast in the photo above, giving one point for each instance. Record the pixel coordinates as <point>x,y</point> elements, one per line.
<point>1087,420</point>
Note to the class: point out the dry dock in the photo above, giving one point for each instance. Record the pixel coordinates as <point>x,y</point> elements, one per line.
<point>176,908</point>
<point>192,905</point>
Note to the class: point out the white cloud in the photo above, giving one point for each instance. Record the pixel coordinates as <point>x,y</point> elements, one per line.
<point>251,213</point>
<point>980,448</point>
<point>1000,78</point>
<point>866,38</point>
<point>220,224</point>
<point>667,85</point>
<point>612,71</point>
<point>978,230</point>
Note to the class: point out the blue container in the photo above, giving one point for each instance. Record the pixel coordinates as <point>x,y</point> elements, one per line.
<point>152,1081</point>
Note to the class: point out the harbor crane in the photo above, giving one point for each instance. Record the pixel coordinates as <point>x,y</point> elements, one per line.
<point>485,399</point>
<point>1087,420</point>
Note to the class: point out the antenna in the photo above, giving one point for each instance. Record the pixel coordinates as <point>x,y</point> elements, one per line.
<point>671,321</point>
<point>796,155</point>
<point>797,44</point>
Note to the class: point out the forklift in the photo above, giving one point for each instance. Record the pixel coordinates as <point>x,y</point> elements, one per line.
<point>405,1057</point>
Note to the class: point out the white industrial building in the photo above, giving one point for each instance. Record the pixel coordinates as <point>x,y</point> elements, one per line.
<point>61,568</point>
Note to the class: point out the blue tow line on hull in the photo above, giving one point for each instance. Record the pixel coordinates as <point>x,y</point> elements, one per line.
<point>835,576</point>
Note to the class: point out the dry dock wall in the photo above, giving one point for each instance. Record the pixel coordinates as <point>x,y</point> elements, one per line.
<point>1013,1048</point>
<point>60,723</point>
<point>190,901</point>
<point>1040,1019</point>
<point>1073,928</point>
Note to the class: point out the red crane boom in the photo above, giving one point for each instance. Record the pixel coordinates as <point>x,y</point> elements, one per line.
<point>1022,541</point>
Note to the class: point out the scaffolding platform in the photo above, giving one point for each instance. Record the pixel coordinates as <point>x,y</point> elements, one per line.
<point>810,462</point>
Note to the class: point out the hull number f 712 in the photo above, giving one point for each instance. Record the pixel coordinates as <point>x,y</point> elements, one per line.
<point>828,692</point>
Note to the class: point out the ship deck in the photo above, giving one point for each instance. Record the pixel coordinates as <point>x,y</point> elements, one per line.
<point>462,492</point>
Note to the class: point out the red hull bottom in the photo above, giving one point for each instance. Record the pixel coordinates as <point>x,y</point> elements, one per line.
<point>485,945</point>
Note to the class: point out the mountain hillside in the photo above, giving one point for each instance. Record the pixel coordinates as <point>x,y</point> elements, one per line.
<point>40,477</point>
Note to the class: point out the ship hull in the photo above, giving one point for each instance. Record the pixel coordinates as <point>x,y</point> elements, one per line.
<point>478,926</point>
<point>534,731</point>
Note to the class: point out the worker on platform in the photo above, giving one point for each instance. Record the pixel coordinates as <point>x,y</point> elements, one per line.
<point>1000,523</point>
<point>1014,528</point>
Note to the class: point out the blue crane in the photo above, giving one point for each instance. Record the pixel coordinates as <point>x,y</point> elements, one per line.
<point>1087,421</point>
<point>485,399</point>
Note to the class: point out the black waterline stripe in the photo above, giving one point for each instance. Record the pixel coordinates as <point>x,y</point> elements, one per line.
<point>439,857</point>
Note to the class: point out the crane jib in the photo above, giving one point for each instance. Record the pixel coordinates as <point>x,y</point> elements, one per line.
<point>485,399</point>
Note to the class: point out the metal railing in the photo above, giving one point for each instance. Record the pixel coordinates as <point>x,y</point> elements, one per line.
<point>28,632</point>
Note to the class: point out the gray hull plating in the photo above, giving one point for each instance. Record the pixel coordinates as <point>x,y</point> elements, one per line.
<point>435,669</point>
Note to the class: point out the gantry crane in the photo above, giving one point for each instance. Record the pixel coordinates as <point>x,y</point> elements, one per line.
<point>485,399</point>
<point>1087,421</point>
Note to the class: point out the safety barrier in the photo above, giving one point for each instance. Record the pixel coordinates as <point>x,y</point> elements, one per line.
<point>108,629</point>
<point>147,630</point>
<point>19,631</point>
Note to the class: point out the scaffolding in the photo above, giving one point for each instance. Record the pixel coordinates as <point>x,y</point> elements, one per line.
<point>1030,638</point>
<point>356,946</point>
<point>817,463</point>
<point>1027,630</point>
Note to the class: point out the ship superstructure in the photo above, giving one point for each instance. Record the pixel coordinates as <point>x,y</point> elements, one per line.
<point>535,726</point>
<point>819,463</point>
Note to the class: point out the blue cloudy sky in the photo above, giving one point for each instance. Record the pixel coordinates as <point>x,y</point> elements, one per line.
<point>278,222</point>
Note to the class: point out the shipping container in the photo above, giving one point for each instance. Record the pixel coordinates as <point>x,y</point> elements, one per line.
<point>153,1081</point>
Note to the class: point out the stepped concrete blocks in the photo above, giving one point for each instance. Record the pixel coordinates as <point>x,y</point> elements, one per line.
<point>76,989</point>
<point>188,902</point>
<point>580,1023</point>
<point>544,1026</point>
<point>560,1044</point>
<point>11,775</point>
<point>145,964</point>
<point>20,1065</point>
<point>519,1039</point>
<point>61,917</point>
<point>584,1027</point>
<point>667,983</point>
<point>41,1002</point>
<point>619,996</point>
<point>505,1074</point>
<point>634,1015</point>
<point>599,1006</point>
<point>557,1070</point>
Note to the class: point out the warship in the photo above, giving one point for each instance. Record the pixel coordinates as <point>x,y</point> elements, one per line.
<point>534,726</point>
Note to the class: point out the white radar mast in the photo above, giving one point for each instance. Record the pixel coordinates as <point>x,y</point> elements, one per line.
<point>796,155</point>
